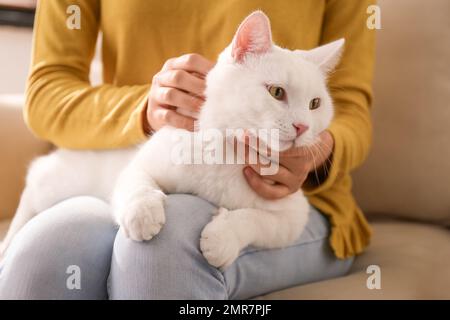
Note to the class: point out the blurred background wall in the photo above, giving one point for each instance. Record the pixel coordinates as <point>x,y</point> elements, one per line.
<point>16,20</point>
<point>14,58</point>
<point>16,28</point>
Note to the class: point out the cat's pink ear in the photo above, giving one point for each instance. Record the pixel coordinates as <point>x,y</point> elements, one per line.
<point>327,56</point>
<point>253,37</point>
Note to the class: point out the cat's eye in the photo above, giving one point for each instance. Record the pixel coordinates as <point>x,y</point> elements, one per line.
<point>277,92</point>
<point>314,104</point>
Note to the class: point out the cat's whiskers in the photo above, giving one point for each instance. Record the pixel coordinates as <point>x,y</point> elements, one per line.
<point>320,149</point>
<point>314,162</point>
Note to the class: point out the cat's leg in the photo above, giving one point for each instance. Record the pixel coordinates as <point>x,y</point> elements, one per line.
<point>231,231</point>
<point>138,202</point>
<point>64,174</point>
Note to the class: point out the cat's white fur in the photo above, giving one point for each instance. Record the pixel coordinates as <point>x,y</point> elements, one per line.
<point>237,97</point>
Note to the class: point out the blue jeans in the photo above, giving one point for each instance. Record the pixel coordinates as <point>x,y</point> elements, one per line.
<point>78,238</point>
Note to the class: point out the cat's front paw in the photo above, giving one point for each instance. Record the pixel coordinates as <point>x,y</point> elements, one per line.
<point>143,218</point>
<point>219,243</point>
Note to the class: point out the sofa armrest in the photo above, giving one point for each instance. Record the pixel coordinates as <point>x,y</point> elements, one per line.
<point>18,147</point>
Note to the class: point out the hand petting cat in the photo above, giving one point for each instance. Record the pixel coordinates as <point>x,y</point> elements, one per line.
<point>179,84</point>
<point>296,164</point>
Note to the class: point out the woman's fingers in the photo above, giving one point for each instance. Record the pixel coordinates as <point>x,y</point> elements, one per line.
<point>264,189</point>
<point>283,176</point>
<point>177,98</point>
<point>168,116</point>
<point>180,84</point>
<point>183,80</point>
<point>295,152</point>
<point>191,62</point>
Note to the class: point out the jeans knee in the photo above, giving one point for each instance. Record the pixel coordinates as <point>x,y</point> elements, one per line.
<point>77,232</point>
<point>170,265</point>
<point>187,213</point>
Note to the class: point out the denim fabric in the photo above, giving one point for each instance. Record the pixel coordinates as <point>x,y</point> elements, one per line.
<point>80,233</point>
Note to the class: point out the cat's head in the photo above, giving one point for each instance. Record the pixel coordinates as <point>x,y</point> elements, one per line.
<point>258,85</point>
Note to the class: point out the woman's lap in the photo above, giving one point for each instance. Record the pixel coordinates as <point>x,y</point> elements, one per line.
<point>170,266</point>
<point>309,259</point>
<point>74,233</point>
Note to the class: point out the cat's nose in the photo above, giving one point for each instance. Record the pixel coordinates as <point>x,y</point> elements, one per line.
<point>301,128</point>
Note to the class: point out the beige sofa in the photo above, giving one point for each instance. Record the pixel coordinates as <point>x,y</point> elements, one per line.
<point>405,185</point>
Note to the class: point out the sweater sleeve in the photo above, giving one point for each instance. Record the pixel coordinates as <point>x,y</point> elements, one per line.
<point>351,88</point>
<point>62,106</point>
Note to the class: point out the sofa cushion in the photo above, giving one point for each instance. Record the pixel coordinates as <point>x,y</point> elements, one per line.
<point>414,261</point>
<point>408,171</point>
<point>19,147</point>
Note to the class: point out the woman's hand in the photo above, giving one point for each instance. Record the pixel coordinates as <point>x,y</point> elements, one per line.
<point>295,166</point>
<point>179,84</point>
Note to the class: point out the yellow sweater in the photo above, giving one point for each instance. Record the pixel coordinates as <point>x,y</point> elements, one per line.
<point>139,35</point>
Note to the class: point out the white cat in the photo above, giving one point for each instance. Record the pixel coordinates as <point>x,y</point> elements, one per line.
<point>243,91</point>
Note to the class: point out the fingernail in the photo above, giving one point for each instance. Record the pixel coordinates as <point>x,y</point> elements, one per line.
<point>247,171</point>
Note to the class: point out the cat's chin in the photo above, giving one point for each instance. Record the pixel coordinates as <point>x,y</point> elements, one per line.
<point>285,145</point>
<point>300,143</point>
